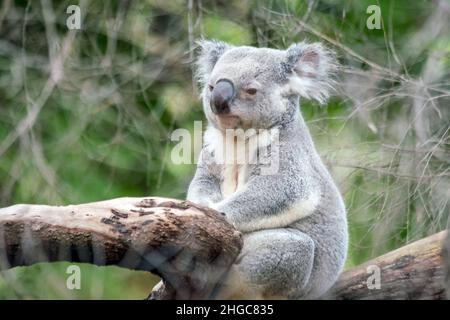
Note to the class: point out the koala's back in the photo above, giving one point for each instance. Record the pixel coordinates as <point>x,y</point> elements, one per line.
<point>327,227</point>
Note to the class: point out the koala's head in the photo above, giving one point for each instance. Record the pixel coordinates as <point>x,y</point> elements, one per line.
<point>248,87</point>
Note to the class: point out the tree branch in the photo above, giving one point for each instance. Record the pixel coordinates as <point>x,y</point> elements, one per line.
<point>189,246</point>
<point>415,271</point>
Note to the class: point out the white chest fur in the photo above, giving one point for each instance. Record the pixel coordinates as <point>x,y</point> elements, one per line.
<point>235,151</point>
<point>234,178</point>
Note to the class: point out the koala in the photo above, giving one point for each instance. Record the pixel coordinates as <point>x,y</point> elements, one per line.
<point>293,219</point>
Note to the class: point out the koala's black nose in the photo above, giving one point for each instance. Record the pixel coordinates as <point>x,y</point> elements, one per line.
<point>221,97</point>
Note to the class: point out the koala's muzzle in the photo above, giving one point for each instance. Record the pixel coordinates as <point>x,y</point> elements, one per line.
<point>221,96</point>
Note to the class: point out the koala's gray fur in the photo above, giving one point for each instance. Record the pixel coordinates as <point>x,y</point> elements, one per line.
<point>294,221</point>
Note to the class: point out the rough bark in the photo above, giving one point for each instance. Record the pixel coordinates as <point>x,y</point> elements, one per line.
<point>415,271</point>
<point>189,246</point>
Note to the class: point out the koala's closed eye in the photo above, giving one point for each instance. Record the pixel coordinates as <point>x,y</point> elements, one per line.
<point>251,91</point>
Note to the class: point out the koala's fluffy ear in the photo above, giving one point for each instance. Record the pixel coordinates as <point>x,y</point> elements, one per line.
<point>209,52</point>
<point>310,70</point>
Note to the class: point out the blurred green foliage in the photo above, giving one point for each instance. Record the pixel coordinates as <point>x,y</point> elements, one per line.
<point>126,83</point>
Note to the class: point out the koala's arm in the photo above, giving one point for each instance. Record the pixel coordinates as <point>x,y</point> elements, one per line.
<point>205,186</point>
<point>270,201</point>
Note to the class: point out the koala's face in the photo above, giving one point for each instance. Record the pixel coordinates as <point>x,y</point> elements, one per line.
<point>243,89</point>
<point>247,87</point>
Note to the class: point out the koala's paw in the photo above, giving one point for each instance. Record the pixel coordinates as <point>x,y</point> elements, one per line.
<point>217,206</point>
<point>214,206</point>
